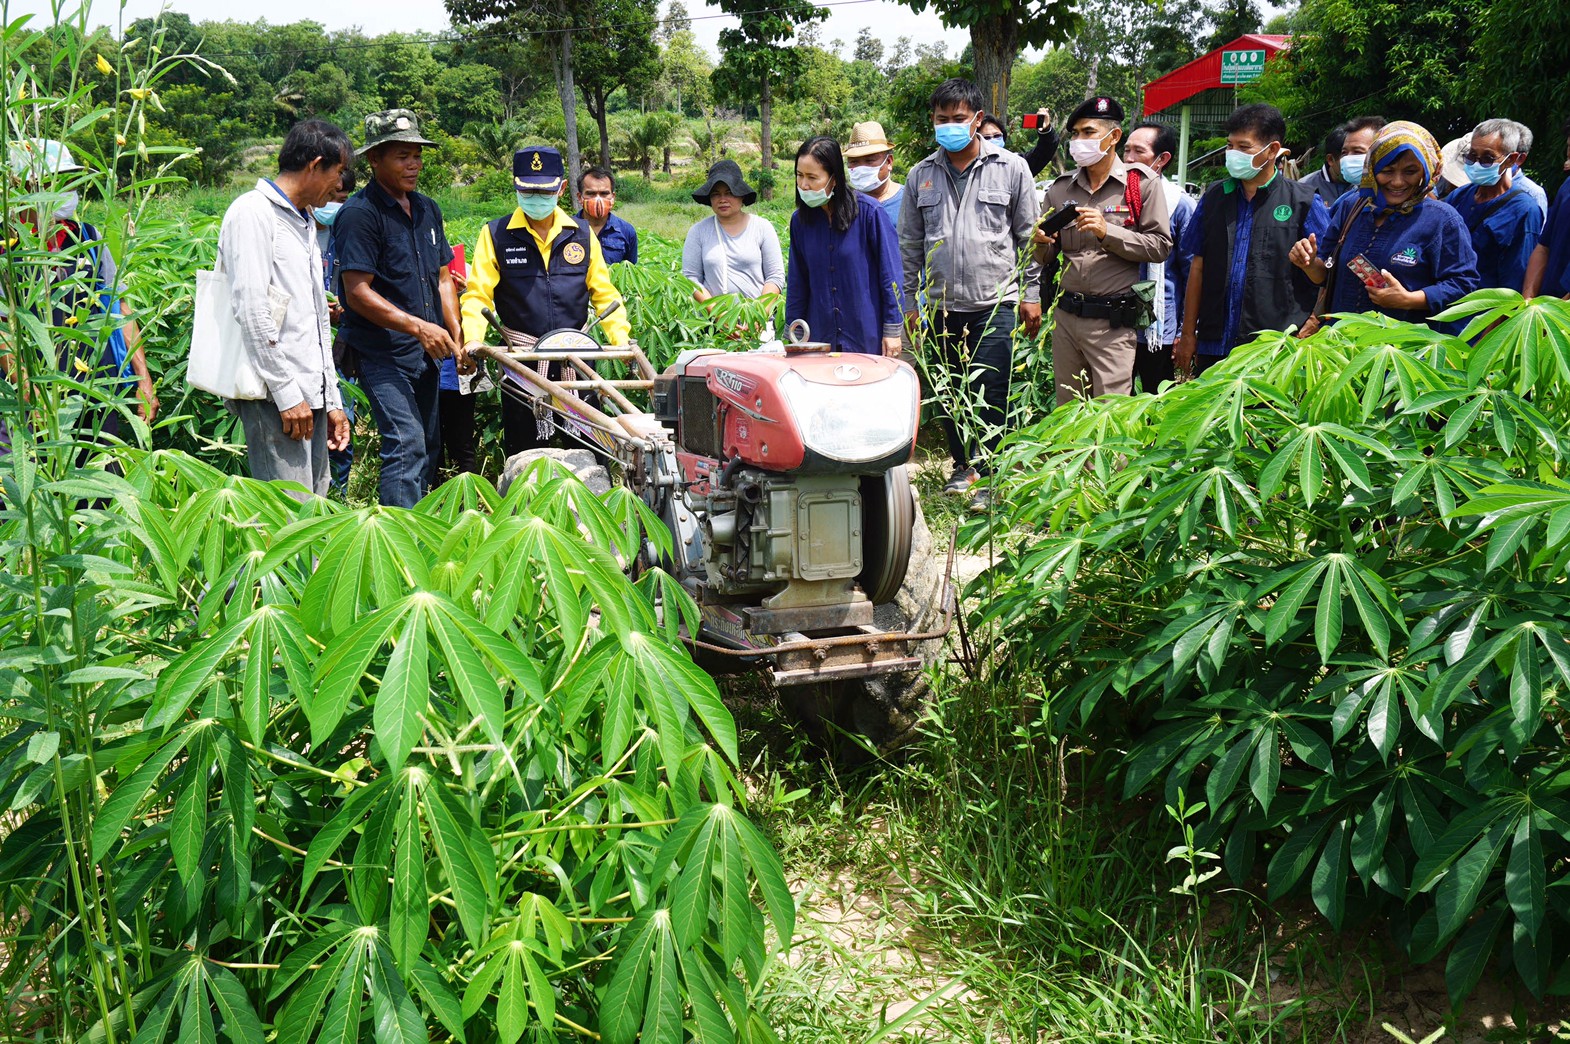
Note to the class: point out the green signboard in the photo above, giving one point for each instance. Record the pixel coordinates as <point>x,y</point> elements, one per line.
<point>1241,66</point>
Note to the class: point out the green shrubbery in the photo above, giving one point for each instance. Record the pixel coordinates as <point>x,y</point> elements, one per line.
<point>1324,587</point>
<point>293,771</point>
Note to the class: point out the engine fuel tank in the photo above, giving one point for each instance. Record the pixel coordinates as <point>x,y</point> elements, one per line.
<point>817,413</point>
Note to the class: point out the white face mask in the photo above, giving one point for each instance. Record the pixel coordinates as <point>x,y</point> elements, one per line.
<point>1087,152</point>
<point>865,179</point>
<point>66,210</point>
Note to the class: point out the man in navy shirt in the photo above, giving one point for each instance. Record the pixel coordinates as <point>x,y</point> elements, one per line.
<point>402,307</point>
<point>1499,213</point>
<point>618,239</point>
<point>1548,274</point>
<point>1537,192</point>
<point>1239,239</point>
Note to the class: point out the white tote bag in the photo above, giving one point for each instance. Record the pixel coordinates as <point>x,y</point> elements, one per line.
<point>219,362</point>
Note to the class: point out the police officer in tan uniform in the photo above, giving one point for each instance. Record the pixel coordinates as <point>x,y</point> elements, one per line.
<point>1122,223</point>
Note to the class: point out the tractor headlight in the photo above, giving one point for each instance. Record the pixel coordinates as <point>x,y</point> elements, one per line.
<point>854,422</point>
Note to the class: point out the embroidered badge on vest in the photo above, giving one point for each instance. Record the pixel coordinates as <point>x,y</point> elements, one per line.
<point>1283,212</point>
<point>572,253</point>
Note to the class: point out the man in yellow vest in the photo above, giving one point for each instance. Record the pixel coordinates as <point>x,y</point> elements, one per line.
<point>541,270</point>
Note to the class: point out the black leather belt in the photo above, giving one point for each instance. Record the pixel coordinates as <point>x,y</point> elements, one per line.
<point>1121,310</point>
<point>1090,307</point>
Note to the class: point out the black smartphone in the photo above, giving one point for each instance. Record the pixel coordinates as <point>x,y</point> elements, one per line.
<point>1058,220</point>
<point>1031,121</point>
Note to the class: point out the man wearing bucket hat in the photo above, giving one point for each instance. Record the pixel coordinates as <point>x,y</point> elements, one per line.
<point>401,318</point>
<point>45,165</point>
<point>541,270</point>
<point>869,166</point>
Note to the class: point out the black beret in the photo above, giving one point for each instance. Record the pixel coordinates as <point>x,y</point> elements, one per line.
<point>1100,108</point>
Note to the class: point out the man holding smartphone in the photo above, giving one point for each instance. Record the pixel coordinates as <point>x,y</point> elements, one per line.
<point>1120,222</point>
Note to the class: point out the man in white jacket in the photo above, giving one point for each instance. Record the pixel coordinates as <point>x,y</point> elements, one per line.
<point>268,248</point>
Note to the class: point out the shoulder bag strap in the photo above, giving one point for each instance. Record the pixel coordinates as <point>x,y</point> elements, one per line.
<point>1323,300</point>
<point>1487,211</point>
<point>719,240</point>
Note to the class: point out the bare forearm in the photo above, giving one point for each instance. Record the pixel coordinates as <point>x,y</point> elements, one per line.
<point>373,306</point>
<point>1191,295</point>
<point>1536,267</point>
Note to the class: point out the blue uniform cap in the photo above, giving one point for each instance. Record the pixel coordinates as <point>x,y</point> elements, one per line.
<point>537,168</point>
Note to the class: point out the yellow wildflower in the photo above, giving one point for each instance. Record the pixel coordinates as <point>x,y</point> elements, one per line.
<point>104,67</point>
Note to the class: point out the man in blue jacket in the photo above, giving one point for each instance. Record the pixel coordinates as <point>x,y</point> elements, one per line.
<point>1499,212</point>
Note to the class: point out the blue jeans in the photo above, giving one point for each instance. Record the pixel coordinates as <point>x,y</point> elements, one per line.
<point>405,410</point>
<point>343,460</point>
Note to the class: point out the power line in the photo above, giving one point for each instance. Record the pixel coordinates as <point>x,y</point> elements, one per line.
<point>454,37</point>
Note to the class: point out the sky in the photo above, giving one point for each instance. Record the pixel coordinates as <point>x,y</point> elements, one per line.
<point>846,17</point>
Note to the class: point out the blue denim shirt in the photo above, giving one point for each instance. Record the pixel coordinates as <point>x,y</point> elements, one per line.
<point>618,239</point>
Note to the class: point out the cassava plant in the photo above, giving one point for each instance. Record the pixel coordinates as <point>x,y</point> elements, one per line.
<point>281,770</point>
<point>1324,585</point>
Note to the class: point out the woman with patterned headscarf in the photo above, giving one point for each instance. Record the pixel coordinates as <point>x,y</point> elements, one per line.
<point>1419,248</point>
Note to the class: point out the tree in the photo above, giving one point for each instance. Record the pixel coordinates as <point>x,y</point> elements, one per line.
<point>1383,56</point>
<point>900,57</point>
<point>516,61</point>
<point>1503,66</point>
<point>999,30</point>
<point>755,58</point>
<point>617,51</point>
<point>868,47</point>
<point>496,142</point>
<point>551,25</point>
<point>651,134</point>
<point>1230,19</point>
<point>683,83</point>
<point>676,20</point>
<point>932,55</point>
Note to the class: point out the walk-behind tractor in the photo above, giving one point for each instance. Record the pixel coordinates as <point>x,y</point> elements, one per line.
<point>781,475</point>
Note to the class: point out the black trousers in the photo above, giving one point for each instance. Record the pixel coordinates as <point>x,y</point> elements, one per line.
<point>977,347</point>
<point>457,420</point>
<point>1152,365</point>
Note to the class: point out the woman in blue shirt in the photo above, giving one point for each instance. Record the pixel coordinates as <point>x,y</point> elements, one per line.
<point>844,276</point>
<point>1419,244</point>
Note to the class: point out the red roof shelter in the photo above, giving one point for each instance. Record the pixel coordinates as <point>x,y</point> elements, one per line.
<point>1206,88</point>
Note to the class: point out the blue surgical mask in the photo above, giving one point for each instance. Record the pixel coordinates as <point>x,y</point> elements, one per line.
<point>537,205</point>
<point>815,197</point>
<point>994,139</point>
<point>327,212</point>
<point>1241,164</point>
<point>952,136</point>
<point>1352,168</point>
<point>1483,173</point>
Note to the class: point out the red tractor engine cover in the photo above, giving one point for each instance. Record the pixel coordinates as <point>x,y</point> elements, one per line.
<point>827,411</point>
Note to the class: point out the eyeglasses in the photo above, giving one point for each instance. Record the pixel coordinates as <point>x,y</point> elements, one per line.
<point>996,139</point>
<point>1488,159</point>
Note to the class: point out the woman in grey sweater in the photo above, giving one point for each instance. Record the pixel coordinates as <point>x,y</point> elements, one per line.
<point>732,252</point>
